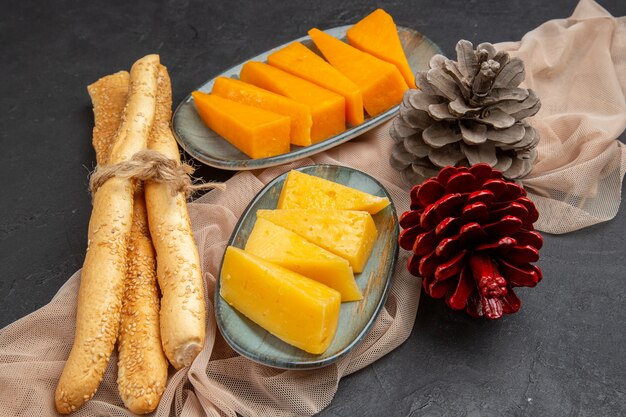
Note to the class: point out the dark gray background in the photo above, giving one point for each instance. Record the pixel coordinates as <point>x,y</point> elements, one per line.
<point>563,354</point>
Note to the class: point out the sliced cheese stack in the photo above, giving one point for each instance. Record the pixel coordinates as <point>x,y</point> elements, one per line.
<point>300,61</point>
<point>250,95</point>
<point>291,248</point>
<point>377,34</point>
<point>327,108</point>
<point>380,82</point>
<point>349,234</point>
<point>257,133</point>
<point>318,96</point>
<point>296,309</point>
<point>308,191</point>
<point>287,249</point>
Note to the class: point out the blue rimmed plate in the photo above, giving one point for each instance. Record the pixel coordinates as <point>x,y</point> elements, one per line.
<point>210,148</point>
<point>355,318</point>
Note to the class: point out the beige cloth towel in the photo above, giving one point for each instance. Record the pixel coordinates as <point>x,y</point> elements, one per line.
<point>578,68</point>
<point>574,64</point>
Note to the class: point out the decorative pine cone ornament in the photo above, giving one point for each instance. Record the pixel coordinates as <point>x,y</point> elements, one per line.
<point>472,237</point>
<point>465,112</point>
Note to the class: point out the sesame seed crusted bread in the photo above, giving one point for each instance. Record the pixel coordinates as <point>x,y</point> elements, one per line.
<point>141,366</point>
<point>104,268</point>
<point>108,97</point>
<point>183,310</point>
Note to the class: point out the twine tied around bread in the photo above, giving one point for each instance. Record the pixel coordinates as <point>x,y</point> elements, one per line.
<point>149,165</point>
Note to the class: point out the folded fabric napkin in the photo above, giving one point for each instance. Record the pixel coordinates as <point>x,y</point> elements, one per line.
<point>578,68</point>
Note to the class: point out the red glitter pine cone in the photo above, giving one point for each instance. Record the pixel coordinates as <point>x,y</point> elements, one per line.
<point>472,237</point>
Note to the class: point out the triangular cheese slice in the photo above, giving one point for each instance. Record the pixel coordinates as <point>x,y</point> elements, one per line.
<point>256,132</point>
<point>251,95</point>
<point>377,34</point>
<point>380,82</point>
<point>296,309</point>
<point>308,191</point>
<point>300,61</point>
<point>288,249</point>
<point>346,233</point>
<point>328,109</point>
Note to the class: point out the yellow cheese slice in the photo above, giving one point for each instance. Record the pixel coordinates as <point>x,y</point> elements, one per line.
<point>380,82</point>
<point>308,191</point>
<point>377,34</point>
<point>288,249</point>
<point>347,233</point>
<point>294,308</point>
<point>328,109</point>
<point>256,132</point>
<point>300,61</point>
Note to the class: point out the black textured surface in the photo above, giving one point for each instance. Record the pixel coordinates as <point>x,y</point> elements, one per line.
<point>563,355</point>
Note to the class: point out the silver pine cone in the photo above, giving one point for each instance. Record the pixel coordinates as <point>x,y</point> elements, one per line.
<point>466,112</point>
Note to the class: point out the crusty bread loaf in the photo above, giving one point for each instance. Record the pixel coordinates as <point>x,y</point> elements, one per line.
<point>104,269</point>
<point>183,309</point>
<point>142,366</point>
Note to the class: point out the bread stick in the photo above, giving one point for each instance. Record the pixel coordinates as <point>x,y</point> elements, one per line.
<point>104,268</point>
<point>142,366</point>
<point>108,97</point>
<point>178,264</point>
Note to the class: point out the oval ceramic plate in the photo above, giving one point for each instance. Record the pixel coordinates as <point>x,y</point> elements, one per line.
<point>210,148</point>
<point>355,318</point>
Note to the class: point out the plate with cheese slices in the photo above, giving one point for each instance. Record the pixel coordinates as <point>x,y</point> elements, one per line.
<point>303,97</point>
<point>308,267</point>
